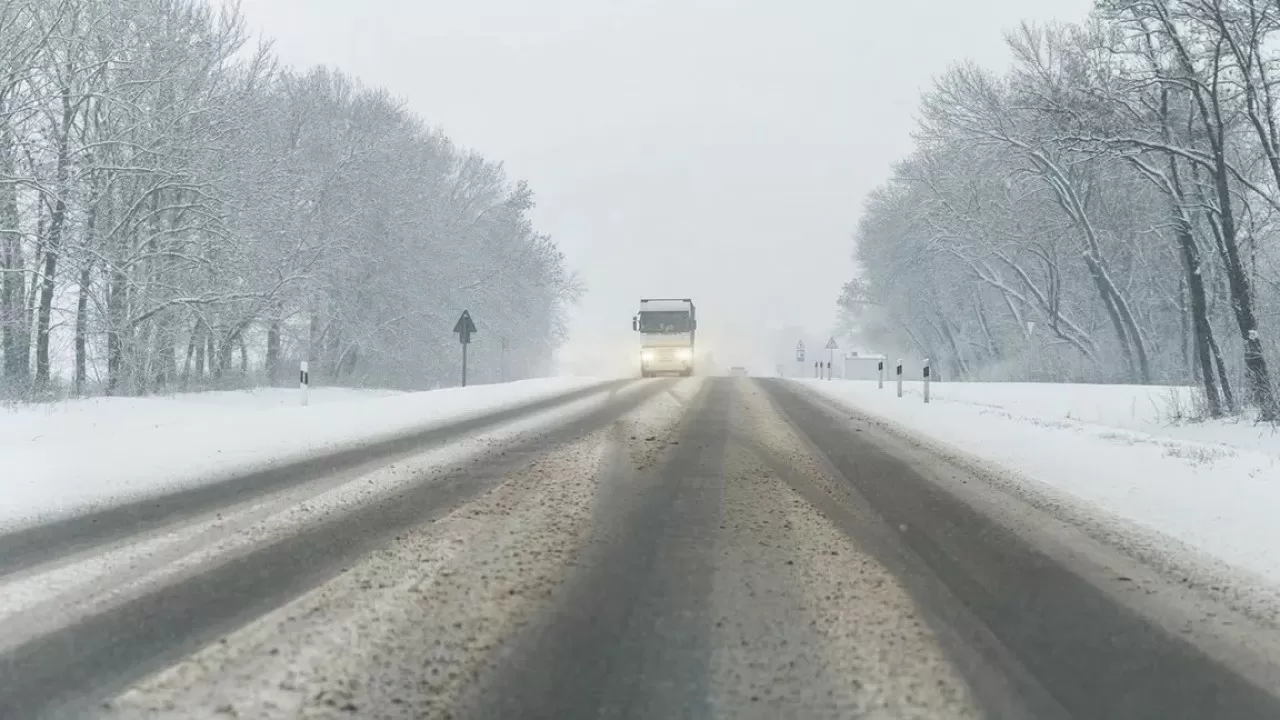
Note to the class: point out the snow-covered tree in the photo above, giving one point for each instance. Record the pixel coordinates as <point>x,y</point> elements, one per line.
<point>1104,211</point>
<point>177,210</point>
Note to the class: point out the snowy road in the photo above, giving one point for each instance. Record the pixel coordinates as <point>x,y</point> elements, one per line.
<point>664,549</point>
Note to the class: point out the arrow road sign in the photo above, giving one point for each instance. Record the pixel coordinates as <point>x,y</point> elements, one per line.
<point>464,327</point>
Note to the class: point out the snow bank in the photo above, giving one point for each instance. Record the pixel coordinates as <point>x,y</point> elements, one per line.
<point>65,458</point>
<point>88,416</point>
<point>1214,486</point>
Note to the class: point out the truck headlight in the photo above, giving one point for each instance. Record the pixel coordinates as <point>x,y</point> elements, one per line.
<point>646,357</point>
<point>685,354</point>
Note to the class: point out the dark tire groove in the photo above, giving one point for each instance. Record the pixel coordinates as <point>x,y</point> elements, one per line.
<point>36,545</point>
<point>66,673</point>
<point>1097,658</point>
<point>629,637</point>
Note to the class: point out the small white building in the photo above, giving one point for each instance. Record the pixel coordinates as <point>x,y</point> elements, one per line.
<point>858,366</point>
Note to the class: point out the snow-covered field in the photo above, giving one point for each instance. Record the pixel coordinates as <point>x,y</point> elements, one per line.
<point>69,457</point>
<point>1213,485</point>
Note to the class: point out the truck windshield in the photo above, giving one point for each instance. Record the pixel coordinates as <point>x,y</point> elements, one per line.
<point>669,321</point>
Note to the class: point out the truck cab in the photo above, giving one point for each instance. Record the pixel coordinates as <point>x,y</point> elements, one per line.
<point>667,328</point>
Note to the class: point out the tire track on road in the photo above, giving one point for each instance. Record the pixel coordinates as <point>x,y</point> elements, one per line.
<point>64,673</point>
<point>1006,599</point>
<point>630,634</point>
<point>60,539</point>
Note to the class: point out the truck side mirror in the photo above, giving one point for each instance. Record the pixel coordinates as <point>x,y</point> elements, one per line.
<point>634,324</point>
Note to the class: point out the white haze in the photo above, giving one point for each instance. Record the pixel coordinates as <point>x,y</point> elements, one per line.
<point>713,149</point>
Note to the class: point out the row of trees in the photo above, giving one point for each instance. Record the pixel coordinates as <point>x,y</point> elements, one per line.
<point>1106,210</point>
<point>177,209</point>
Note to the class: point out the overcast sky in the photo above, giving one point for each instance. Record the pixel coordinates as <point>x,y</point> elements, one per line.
<point>713,149</point>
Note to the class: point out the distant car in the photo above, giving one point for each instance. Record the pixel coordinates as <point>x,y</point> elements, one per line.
<point>737,371</point>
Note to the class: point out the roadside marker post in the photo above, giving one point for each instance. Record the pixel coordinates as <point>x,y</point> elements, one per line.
<point>899,377</point>
<point>304,381</point>
<point>880,370</point>
<point>828,369</point>
<point>926,381</point>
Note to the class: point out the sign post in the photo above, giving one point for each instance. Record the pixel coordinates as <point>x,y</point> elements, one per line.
<point>926,381</point>
<point>800,351</point>
<point>465,328</point>
<point>899,377</point>
<point>831,357</point>
<point>304,380</point>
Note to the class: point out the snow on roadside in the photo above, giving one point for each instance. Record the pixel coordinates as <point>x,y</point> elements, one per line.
<point>56,466</point>
<point>33,604</point>
<point>408,630</point>
<point>1213,486</point>
<point>90,416</point>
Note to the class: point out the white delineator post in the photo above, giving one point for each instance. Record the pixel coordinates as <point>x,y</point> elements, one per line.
<point>881,380</point>
<point>926,380</point>
<point>304,381</point>
<point>899,377</point>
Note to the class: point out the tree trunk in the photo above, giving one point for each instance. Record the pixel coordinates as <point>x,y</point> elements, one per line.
<point>117,296</point>
<point>82,301</point>
<point>82,329</point>
<point>1199,311</point>
<point>162,355</point>
<point>211,354</point>
<point>186,365</point>
<point>273,353</point>
<point>1257,376</point>
<point>15,333</point>
<point>198,339</point>
<point>1117,323</point>
<point>1193,269</point>
<point>313,345</point>
<point>1227,396</point>
<point>1209,106</point>
<point>53,243</point>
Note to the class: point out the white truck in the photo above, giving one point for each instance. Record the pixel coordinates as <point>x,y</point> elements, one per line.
<point>667,327</point>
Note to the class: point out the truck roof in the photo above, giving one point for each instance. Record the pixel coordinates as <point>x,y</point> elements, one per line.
<point>667,304</point>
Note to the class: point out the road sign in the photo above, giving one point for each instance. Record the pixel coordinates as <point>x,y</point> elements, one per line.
<point>800,351</point>
<point>831,344</point>
<point>464,328</point>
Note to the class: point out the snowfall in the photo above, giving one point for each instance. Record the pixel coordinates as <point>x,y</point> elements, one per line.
<point>1213,486</point>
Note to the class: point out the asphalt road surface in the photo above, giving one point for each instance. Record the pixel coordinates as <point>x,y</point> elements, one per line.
<point>708,547</point>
